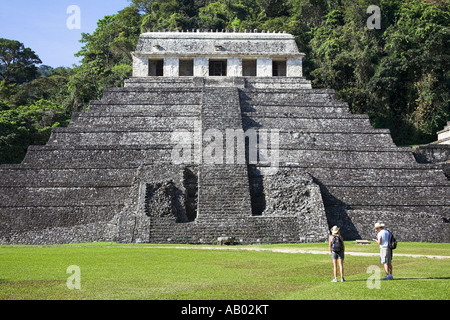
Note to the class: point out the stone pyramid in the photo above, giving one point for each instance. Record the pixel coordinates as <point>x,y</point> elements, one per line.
<point>114,174</point>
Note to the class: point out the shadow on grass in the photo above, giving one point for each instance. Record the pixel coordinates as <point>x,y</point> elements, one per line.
<point>397,279</point>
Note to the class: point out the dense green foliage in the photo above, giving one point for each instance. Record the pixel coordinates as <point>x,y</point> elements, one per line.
<point>28,125</point>
<point>398,74</point>
<point>17,63</point>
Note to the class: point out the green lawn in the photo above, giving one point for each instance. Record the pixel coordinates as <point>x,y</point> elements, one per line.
<point>114,271</point>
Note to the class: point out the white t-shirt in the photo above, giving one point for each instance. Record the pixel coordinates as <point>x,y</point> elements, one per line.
<point>384,236</point>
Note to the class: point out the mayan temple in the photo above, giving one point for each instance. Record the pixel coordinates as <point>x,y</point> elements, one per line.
<point>218,134</point>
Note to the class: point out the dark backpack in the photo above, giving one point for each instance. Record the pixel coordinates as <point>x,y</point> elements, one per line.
<point>392,243</point>
<point>336,244</point>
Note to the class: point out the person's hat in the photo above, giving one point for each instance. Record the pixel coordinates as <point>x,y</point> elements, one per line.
<point>335,230</point>
<point>379,225</point>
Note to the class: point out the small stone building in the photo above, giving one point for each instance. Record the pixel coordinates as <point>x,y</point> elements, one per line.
<point>444,135</point>
<point>208,54</point>
<point>218,134</point>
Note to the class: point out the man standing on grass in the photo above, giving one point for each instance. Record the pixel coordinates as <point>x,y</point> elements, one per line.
<point>385,251</point>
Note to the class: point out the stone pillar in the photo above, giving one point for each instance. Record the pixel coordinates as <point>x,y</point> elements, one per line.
<point>140,66</point>
<point>294,67</point>
<point>264,67</point>
<point>444,135</point>
<point>171,66</point>
<point>234,67</point>
<point>201,67</point>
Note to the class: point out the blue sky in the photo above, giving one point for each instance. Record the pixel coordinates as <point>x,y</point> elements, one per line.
<point>41,25</point>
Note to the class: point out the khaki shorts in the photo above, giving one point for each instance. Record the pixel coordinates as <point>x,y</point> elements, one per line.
<point>385,256</point>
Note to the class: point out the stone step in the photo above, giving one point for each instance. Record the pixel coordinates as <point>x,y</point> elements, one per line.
<point>151,95</point>
<point>36,177</point>
<point>159,82</point>
<point>334,110</point>
<point>35,218</point>
<point>430,224</point>
<point>153,139</point>
<point>359,196</point>
<point>92,115</point>
<point>287,97</point>
<point>94,156</point>
<point>121,122</point>
<point>277,83</point>
<point>353,157</point>
<point>379,177</point>
<point>326,156</point>
<point>314,124</point>
<point>262,104</point>
<point>288,140</point>
<point>251,92</point>
<point>100,107</point>
<point>90,157</point>
<point>54,196</point>
<point>291,116</point>
<point>300,139</point>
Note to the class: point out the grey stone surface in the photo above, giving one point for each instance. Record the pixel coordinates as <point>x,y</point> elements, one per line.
<point>435,153</point>
<point>216,43</point>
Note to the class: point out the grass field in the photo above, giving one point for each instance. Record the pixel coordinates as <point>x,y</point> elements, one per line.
<point>142,271</point>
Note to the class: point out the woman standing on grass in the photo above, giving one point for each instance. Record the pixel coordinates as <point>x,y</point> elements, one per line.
<point>336,246</point>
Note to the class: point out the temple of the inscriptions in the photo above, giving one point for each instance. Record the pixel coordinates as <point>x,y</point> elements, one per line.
<point>218,134</point>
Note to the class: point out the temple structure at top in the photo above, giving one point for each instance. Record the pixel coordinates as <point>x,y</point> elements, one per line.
<point>217,54</point>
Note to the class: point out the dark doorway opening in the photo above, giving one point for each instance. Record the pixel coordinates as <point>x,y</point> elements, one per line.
<point>249,67</point>
<point>156,67</point>
<point>279,68</point>
<point>186,68</point>
<point>218,68</point>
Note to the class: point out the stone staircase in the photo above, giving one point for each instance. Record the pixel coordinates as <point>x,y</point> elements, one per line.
<point>223,187</point>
